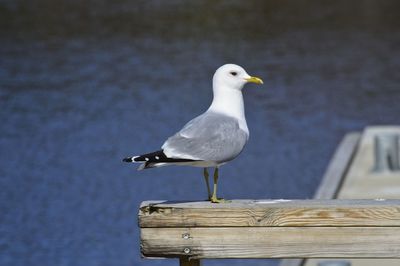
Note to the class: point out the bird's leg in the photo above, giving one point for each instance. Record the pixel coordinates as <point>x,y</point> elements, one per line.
<point>214,198</point>
<point>206,175</point>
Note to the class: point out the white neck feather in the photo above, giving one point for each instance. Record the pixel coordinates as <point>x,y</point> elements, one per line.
<point>229,102</point>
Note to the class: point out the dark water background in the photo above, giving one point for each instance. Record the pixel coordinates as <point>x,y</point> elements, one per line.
<point>85,83</point>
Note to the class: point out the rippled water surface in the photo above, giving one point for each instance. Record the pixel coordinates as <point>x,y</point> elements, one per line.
<point>84,84</point>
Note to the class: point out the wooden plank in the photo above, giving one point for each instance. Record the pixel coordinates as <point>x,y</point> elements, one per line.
<point>271,213</point>
<point>272,242</point>
<point>338,167</point>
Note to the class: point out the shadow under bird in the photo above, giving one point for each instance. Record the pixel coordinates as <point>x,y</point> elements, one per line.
<point>215,137</point>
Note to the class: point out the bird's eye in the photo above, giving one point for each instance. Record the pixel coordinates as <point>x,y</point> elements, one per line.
<point>233,73</point>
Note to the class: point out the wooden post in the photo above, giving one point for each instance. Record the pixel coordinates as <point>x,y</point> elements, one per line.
<point>387,152</point>
<point>186,262</point>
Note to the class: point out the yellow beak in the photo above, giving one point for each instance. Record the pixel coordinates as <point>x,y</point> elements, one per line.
<point>255,80</point>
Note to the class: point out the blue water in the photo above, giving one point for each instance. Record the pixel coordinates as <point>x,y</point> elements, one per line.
<point>84,85</point>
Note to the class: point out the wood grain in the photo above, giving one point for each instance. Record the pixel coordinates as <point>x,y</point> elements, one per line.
<point>271,213</point>
<point>272,242</point>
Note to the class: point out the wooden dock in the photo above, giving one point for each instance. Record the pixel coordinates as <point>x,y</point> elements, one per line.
<point>347,219</point>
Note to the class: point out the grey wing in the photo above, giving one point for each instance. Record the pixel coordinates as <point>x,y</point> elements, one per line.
<point>210,137</point>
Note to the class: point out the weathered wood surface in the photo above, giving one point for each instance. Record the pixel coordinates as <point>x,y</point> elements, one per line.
<point>333,177</point>
<point>262,213</point>
<point>272,242</point>
<point>271,229</point>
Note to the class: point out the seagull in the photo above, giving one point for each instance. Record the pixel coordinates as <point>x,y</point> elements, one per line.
<point>213,138</point>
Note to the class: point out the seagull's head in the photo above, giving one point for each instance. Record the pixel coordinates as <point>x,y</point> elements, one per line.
<point>233,76</point>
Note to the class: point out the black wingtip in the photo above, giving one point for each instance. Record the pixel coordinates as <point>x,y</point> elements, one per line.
<point>127,160</point>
